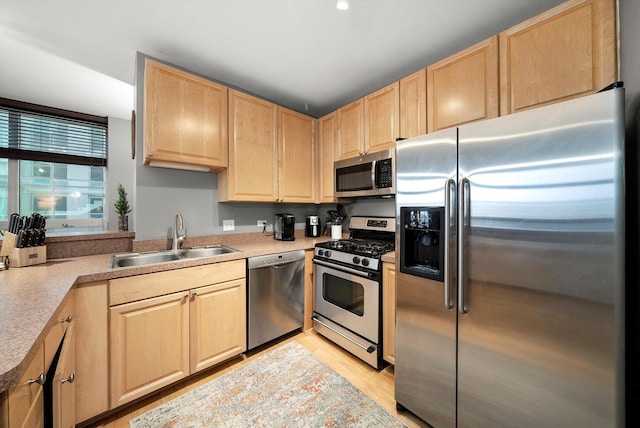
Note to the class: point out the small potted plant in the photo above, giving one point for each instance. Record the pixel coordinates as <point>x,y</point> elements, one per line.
<point>122,208</point>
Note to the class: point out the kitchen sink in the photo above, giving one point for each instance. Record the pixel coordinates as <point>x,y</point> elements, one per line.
<point>216,250</point>
<point>143,259</point>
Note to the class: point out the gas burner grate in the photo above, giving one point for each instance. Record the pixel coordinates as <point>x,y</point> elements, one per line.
<point>360,246</point>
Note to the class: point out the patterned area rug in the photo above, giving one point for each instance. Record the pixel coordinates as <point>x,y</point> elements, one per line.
<point>287,387</point>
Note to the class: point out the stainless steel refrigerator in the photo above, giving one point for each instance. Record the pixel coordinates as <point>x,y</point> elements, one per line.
<point>510,275</point>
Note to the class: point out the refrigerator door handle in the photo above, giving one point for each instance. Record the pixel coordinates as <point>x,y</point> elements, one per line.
<point>463,221</point>
<point>449,188</point>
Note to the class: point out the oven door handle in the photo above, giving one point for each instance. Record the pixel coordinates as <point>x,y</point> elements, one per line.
<point>341,268</point>
<point>369,348</point>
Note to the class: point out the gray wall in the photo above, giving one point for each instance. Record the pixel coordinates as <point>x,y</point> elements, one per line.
<point>120,169</point>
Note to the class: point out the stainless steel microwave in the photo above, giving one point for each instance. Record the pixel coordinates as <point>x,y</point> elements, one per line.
<point>370,175</point>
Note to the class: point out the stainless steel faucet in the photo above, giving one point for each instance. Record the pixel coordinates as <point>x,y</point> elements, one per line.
<point>179,232</point>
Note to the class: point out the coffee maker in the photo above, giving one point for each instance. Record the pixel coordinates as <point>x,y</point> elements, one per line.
<point>284,227</point>
<point>312,227</point>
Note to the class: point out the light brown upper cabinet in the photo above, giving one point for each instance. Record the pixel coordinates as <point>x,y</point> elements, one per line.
<point>382,118</point>
<point>369,124</point>
<point>296,148</point>
<point>413,104</point>
<point>271,153</point>
<point>185,120</point>
<point>463,87</point>
<point>252,174</point>
<point>566,52</point>
<point>351,130</point>
<point>327,129</point>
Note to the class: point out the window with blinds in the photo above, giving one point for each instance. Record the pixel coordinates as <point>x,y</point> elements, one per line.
<point>53,162</point>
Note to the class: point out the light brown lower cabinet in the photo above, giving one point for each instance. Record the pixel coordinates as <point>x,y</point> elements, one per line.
<point>23,404</point>
<point>64,390</point>
<point>218,323</point>
<point>389,312</point>
<point>25,399</point>
<point>149,345</point>
<point>155,341</point>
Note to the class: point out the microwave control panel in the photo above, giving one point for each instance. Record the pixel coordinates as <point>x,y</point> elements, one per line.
<point>384,173</point>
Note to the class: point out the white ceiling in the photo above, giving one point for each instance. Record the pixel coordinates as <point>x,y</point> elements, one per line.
<point>303,54</point>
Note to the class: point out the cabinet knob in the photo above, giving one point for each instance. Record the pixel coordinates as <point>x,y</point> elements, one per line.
<point>70,379</point>
<point>194,294</point>
<point>186,296</point>
<point>39,380</point>
<point>67,319</point>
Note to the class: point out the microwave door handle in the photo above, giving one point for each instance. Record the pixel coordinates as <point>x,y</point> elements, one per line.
<point>373,175</point>
<point>449,210</point>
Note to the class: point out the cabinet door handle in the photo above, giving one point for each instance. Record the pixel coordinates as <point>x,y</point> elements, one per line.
<point>186,296</point>
<point>70,379</point>
<point>67,319</point>
<point>39,380</point>
<point>194,294</point>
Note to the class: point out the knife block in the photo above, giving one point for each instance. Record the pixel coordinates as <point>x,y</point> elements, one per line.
<point>20,257</point>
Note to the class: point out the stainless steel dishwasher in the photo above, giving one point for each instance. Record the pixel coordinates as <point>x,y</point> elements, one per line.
<point>275,303</point>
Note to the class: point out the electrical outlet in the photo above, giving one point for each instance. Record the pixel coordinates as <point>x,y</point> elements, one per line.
<point>228,225</point>
<point>261,223</point>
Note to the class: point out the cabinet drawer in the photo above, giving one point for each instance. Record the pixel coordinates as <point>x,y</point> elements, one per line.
<point>160,283</point>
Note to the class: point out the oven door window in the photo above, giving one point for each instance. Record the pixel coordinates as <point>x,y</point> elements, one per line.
<point>343,293</point>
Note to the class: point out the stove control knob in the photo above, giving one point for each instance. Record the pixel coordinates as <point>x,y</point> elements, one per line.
<point>356,260</point>
<point>365,262</point>
<point>321,252</point>
<point>327,253</point>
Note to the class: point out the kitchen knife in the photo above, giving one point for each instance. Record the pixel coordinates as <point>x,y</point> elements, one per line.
<point>28,223</point>
<point>23,222</point>
<point>21,238</point>
<point>14,223</point>
<point>28,240</point>
<point>41,237</point>
<point>11,223</point>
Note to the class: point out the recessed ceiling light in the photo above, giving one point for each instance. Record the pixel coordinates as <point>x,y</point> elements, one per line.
<point>342,5</point>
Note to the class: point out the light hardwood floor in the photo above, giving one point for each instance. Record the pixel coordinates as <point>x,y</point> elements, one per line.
<point>377,384</point>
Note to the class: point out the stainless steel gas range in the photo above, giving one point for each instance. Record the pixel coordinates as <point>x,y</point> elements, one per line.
<point>348,287</point>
